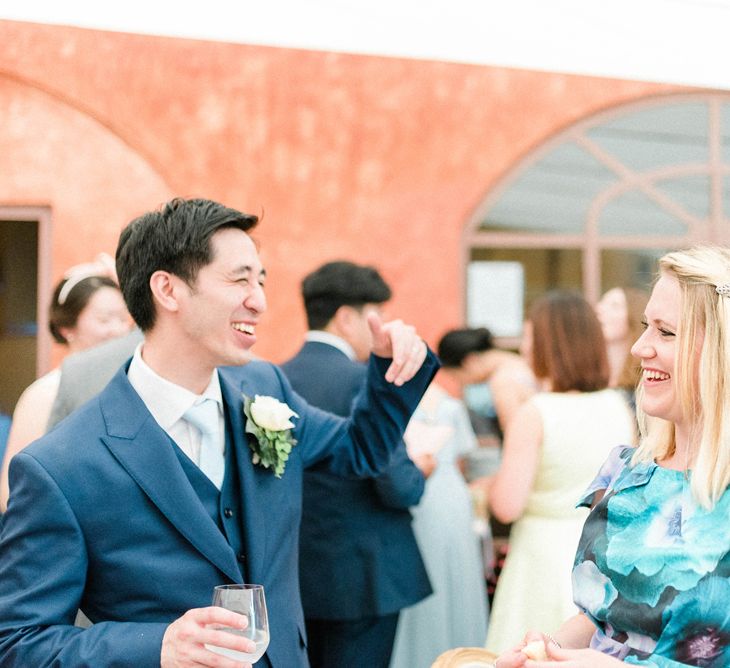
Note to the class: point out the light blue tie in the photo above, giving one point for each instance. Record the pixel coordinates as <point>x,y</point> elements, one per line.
<point>204,416</point>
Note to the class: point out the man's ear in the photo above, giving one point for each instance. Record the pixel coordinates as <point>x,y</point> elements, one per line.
<point>166,289</point>
<point>341,323</point>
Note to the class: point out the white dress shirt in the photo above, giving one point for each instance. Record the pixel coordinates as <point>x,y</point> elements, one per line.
<point>168,402</point>
<point>320,336</point>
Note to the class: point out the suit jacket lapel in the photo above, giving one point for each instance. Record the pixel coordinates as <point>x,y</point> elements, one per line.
<point>253,504</point>
<point>141,446</point>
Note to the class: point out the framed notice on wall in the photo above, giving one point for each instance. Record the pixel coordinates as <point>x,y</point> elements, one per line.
<point>495,297</point>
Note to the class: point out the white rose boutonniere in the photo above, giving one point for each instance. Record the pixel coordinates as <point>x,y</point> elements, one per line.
<point>269,421</point>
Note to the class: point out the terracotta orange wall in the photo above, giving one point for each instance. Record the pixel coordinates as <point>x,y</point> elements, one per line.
<point>379,160</point>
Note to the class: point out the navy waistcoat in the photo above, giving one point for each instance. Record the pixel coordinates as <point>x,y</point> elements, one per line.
<point>223,506</point>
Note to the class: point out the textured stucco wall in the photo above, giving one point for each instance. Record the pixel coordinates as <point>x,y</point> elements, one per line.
<point>379,160</point>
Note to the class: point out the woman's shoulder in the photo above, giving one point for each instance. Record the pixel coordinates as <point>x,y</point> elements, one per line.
<point>618,460</point>
<point>44,389</point>
<point>515,368</point>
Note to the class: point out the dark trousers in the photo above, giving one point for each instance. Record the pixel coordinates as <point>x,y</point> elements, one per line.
<point>357,643</point>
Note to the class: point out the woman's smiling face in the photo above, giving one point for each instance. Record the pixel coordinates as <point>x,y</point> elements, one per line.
<point>657,349</point>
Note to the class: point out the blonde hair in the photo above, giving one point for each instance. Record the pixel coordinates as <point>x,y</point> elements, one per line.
<point>704,393</point>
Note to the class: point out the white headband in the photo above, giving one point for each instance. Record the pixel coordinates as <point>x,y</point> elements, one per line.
<point>72,282</point>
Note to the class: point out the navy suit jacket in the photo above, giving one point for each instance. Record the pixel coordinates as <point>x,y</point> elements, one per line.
<point>356,535</point>
<point>102,517</point>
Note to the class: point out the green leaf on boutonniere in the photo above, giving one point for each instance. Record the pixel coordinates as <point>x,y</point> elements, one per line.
<point>272,447</point>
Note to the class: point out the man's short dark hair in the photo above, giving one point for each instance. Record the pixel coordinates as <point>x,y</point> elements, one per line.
<point>338,284</point>
<point>176,239</point>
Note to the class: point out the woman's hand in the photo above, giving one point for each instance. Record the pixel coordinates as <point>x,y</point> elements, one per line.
<point>572,658</point>
<point>515,657</point>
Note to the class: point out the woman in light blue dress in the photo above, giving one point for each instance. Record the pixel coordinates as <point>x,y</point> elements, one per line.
<point>652,571</point>
<point>455,615</point>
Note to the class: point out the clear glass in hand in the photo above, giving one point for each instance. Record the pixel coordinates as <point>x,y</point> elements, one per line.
<point>247,600</point>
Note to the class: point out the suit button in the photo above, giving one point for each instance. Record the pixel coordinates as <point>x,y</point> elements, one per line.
<point>241,557</point>
<point>227,513</point>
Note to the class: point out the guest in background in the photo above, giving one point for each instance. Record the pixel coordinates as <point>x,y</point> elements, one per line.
<point>470,357</point>
<point>455,615</point>
<point>359,563</point>
<point>620,312</point>
<point>651,571</point>
<point>87,308</point>
<point>552,448</point>
<point>86,373</point>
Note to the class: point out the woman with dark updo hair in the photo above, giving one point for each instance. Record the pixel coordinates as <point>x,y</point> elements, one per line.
<point>87,309</point>
<point>469,356</point>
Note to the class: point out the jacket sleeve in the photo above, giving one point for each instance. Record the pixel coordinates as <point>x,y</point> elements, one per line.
<point>43,568</point>
<point>402,484</point>
<point>361,445</point>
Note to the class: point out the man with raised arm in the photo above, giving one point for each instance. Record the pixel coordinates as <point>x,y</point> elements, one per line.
<point>136,506</point>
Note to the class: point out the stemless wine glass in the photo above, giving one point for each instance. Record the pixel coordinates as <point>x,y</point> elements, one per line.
<point>248,600</point>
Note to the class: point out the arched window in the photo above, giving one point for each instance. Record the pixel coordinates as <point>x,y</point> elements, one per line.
<point>598,203</point>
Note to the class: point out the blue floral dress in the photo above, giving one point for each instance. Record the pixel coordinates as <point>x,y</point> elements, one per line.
<point>652,569</point>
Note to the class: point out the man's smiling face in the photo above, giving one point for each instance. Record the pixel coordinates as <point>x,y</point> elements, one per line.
<point>220,311</point>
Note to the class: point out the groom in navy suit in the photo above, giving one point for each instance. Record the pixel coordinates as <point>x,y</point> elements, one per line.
<point>356,535</point>
<point>133,509</point>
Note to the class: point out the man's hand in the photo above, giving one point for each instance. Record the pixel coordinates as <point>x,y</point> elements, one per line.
<point>184,640</point>
<point>400,342</point>
<point>426,463</point>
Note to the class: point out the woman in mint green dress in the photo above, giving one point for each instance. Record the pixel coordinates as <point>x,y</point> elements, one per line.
<point>652,571</point>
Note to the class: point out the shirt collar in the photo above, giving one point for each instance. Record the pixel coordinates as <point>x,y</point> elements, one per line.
<point>165,400</point>
<point>320,336</point>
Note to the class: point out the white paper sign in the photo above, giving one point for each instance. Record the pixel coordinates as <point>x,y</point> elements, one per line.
<point>495,297</point>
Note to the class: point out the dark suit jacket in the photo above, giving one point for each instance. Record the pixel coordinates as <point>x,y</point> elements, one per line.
<point>356,535</point>
<point>102,517</point>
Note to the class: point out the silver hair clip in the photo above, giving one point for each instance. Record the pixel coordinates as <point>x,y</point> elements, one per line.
<point>723,289</point>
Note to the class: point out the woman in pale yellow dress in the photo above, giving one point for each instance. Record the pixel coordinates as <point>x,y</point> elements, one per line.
<point>552,449</point>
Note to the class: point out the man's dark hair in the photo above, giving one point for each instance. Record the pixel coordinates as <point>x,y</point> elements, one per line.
<point>456,344</point>
<point>338,284</point>
<point>176,239</point>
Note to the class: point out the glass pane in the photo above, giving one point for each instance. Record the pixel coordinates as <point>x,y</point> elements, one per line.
<point>691,192</point>
<point>543,269</point>
<point>659,136</point>
<point>629,268</point>
<point>18,300</point>
<point>634,213</point>
<point>725,131</point>
<point>552,196</point>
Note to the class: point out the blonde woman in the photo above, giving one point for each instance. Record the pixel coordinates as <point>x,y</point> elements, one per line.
<point>651,571</point>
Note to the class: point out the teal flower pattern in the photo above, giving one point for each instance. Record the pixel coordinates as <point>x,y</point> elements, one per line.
<point>652,569</point>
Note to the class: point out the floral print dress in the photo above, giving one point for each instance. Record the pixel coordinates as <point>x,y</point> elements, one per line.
<point>652,569</point>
